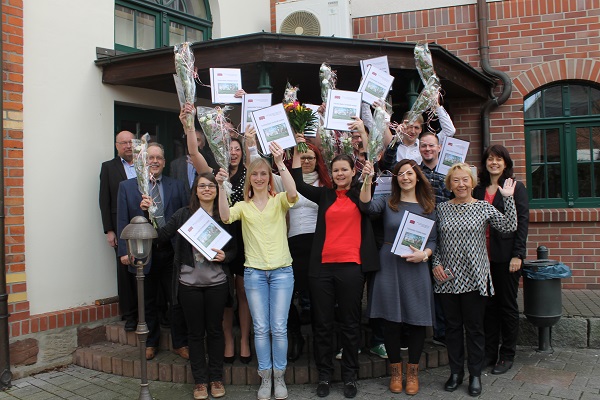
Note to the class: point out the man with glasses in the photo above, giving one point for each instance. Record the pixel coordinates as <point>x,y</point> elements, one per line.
<point>169,195</point>
<point>112,173</point>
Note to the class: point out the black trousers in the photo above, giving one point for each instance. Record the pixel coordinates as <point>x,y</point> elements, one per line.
<point>502,314</point>
<point>465,311</point>
<point>393,332</point>
<point>161,275</point>
<point>203,309</point>
<point>127,291</point>
<point>341,284</point>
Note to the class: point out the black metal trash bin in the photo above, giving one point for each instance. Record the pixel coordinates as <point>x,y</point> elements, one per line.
<point>542,295</point>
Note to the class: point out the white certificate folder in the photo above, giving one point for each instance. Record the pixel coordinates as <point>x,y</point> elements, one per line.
<point>224,82</point>
<point>342,105</point>
<point>272,125</point>
<point>414,231</point>
<point>453,151</point>
<point>375,85</point>
<point>204,233</point>
<point>253,102</point>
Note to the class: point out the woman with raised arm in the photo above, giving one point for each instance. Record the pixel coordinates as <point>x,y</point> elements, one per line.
<point>461,253</point>
<point>237,176</point>
<point>343,250</point>
<point>268,274</point>
<point>401,291</point>
<point>507,252</point>
<point>202,287</point>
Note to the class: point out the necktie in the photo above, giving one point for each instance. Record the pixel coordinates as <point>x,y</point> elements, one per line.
<point>159,215</point>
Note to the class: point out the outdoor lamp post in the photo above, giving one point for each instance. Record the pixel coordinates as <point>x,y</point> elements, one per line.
<point>139,234</point>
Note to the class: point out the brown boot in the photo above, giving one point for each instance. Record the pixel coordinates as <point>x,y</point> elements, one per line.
<point>412,379</point>
<point>396,380</point>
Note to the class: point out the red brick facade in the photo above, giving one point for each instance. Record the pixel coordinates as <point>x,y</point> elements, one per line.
<point>535,42</point>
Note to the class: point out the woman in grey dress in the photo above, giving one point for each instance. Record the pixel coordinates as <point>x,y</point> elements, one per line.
<point>402,293</point>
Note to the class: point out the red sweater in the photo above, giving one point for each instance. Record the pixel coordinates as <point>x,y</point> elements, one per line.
<point>342,234</point>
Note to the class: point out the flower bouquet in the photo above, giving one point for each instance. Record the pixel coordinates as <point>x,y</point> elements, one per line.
<point>300,117</point>
<point>142,172</point>
<point>375,140</point>
<point>184,67</point>
<point>327,145</point>
<point>214,125</point>
<point>424,62</point>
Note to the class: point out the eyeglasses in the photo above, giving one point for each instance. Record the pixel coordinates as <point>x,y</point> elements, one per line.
<point>126,143</point>
<point>207,185</point>
<point>427,145</point>
<point>307,158</point>
<point>156,158</point>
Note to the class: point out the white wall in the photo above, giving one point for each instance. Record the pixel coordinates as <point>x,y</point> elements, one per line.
<point>239,17</point>
<point>365,8</point>
<point>68,124</point>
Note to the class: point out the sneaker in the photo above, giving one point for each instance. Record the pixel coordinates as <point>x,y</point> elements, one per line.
<point>200,392</point>
<point>439,340</point>
<point>338,356</point>
<point>379,350</point>
<point>350,390</point>
<point>217,389</point>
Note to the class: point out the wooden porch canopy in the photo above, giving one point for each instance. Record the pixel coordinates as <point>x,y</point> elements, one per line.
<point>269,60</point>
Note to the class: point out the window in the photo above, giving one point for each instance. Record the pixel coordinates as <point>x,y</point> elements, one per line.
<point>148,24</point>
<point>562,131</point>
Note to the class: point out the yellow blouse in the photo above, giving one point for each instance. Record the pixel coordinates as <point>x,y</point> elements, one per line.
<point>264,232</point>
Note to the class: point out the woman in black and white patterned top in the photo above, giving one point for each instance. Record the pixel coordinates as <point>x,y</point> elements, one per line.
<point>461,249</point>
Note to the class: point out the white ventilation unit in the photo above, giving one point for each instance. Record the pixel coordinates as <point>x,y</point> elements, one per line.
<point>314,18</point>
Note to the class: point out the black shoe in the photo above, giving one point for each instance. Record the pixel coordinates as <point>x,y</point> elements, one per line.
<point>323,389</point>
<point>296,345</point>
<point>246,360</point>
<point>130,325</point>
<point>454,382</point>
<point>501,367</point>
<point>229,360</point>
<point>474,386</point>
<point>439,340</point>
<point>350,390</point>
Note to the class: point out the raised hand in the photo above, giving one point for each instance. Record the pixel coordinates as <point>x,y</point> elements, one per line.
<point>508,189</point>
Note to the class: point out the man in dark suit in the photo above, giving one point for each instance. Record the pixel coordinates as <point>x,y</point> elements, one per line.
<point>169,195</point>
<point>112,173</point>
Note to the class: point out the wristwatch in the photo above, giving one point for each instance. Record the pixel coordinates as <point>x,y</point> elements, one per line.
<point>282,169</point>
<point>426,258</point>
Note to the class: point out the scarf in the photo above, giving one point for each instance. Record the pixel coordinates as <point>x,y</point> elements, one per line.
<point>311,177</point>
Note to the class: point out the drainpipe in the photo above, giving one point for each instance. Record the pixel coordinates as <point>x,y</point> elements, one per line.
<point>484,50</point>
<point>5,374</point>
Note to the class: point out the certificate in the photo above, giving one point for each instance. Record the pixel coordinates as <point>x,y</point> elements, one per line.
<point>253,102</point>
<point>375,85</point>
<point>453,151</point>
<point>311,131</point>
<point>272,125</point>
<point>224,82</point>
<point>342,105</point>
<point>204,233</point>
<point>414,231</point>
<point>377,62</point>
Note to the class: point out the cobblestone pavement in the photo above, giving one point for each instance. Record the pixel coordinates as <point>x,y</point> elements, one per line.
<point>566,374</point>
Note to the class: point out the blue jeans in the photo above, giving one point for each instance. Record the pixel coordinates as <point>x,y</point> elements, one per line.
<point>269,295</point>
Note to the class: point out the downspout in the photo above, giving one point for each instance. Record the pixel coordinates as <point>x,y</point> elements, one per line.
<point>484,51</point>
<point>5,374</point>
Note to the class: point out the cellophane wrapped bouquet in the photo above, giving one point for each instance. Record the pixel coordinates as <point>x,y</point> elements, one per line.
<point>214,124</point>
<point>184,67</point>
<point>142,171</point>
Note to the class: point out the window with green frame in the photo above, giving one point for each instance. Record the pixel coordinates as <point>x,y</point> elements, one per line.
<point>149,24</point>
<point>562,133</point>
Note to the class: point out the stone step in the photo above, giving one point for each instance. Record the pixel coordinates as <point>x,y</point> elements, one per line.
<point>124,360</point>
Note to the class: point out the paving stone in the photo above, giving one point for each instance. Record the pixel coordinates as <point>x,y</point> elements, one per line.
<point>252,377</point>
<point>238,374</point>
<point>545,376</point>
<point>594,333</point>
<point>301,368</point>
<point>227,374</point>
<point>566,393</point>
<point>128,368</point>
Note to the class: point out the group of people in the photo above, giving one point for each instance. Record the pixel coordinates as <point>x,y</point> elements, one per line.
<point>305,229</point>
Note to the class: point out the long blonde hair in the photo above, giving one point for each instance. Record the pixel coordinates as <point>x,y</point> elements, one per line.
<point>254,165</point>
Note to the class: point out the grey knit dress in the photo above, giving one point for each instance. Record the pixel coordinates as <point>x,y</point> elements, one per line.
<point>401,291</point>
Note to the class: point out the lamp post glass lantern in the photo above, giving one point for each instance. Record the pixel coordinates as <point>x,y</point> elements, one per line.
<point>139,234</point>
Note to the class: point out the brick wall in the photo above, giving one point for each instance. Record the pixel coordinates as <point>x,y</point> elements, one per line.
<point>12,75</point>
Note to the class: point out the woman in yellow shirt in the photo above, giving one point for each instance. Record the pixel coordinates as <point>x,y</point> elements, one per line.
<point>268,275</point>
